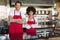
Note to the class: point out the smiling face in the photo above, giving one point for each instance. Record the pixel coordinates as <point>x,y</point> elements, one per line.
<point>17,6</point>
<point>30,10</point>
<point>31,13</point>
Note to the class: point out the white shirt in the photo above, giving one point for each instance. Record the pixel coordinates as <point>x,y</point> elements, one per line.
<point>17,13</point>
<point>33,25</point>
<point>11,13</point>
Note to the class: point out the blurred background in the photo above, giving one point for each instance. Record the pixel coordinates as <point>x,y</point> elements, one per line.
<point>47,13</point>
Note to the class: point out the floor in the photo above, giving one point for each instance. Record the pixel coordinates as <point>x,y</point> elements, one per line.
<point>6,36</point>
<point>54,38</point>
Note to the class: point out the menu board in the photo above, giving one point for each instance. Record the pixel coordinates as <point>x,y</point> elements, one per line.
<point>12,2</point>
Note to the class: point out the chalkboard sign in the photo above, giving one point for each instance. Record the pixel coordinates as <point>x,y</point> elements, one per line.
<point>33,2</point>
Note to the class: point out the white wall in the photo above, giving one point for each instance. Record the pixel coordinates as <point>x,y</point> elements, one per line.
<point>3,13</point>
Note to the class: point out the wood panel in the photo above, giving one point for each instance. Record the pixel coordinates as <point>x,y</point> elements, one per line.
<point>3,2</point>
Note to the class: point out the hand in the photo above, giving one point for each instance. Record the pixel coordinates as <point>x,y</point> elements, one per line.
<point>18,20</point>
<point>28,24</point>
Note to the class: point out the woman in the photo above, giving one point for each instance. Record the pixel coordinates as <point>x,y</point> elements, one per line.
<point>16,18</point>
<point>31,21</point>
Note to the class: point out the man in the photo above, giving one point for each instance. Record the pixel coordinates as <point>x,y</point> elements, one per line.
<point>16,19</point>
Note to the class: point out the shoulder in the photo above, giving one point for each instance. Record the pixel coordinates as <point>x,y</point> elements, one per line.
<point>26,18</point>
<point>35,18</point>
<point>22,12</point>
<point>11,13</point>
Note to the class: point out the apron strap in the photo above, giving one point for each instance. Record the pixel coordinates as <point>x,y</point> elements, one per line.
<point>14,13</point>
<point>33,19</point>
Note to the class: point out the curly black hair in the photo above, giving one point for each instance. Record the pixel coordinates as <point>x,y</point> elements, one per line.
<point>18,2</point>
<point>30,8</point>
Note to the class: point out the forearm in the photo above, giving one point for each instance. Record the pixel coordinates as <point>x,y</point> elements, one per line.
<point>21,21</point>
<point>13,20</point>
<point>34,25</point>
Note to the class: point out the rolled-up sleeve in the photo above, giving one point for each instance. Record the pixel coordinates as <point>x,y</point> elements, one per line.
<point>11,13</point>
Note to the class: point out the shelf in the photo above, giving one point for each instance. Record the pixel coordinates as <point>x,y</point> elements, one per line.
<point>40,15</point>
<point>43,20</point>
<point>44,27</point>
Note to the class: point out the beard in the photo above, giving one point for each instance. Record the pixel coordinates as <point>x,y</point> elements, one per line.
<point>17,8</point>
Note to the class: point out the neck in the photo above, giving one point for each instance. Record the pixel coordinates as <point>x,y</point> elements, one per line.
<point>31,16</point>
<point>17,10</point>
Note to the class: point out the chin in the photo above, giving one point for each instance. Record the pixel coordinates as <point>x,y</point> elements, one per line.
<point>18,8</point>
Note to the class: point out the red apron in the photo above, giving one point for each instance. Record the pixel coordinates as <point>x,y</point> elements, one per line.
<point>31,31</point>
<point>15,29</point>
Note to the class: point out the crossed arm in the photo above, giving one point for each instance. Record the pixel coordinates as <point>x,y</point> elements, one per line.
<point>16,20</point>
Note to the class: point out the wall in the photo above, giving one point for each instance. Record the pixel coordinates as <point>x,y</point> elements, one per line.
<point>3,9</point>
<point>58,9</point>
